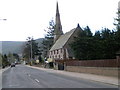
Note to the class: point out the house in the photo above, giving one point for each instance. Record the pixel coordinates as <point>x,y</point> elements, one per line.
<point>61,49</point>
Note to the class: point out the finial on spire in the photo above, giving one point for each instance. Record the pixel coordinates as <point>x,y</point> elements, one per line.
<point>78,26</point>
<point>57,8</point>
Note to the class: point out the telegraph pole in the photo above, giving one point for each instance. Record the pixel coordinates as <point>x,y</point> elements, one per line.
<point>30,39</point>
<point>31,49</point>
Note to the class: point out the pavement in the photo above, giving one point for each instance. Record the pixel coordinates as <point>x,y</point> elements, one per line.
<point>93,77</point>
<point>4,69</point>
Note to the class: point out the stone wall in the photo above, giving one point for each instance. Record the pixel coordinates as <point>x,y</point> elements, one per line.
<point>106,71</point>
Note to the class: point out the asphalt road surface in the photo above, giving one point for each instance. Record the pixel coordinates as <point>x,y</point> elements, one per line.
<point>22,76</point>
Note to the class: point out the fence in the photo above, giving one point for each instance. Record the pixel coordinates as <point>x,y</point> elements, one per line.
<point>91,63</point>
<point>95,63</point>
<point>107,67</point>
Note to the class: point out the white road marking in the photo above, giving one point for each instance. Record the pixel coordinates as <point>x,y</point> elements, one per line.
<point>37,80</point>
<point>34,79</point>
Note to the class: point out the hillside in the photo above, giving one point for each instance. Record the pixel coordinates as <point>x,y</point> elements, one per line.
<point>12,47</point>
<point>15,46</point>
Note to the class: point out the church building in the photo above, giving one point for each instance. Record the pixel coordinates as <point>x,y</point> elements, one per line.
<point>61,49</point>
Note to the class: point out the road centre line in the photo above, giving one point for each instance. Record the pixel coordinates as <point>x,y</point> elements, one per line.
<point>37,80</point>
<point>34,79</point>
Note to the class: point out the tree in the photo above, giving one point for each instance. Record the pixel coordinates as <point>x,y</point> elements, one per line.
<point>109,46</point>
<point>88,31</point>
<point>16,56</point>
<point>11,58</point>
<point>117,24</point>
<point>102,45</point>
<point>31,49</point>
<point>97,45</point>
<point>0,60</point>
<point>5,60</point>
<point>26,52</point>
<point>83,45</point>
<point>49,39</point>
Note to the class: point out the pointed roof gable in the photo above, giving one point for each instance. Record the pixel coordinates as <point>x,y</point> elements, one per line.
<point>62,40</point>
<point>60,43</point>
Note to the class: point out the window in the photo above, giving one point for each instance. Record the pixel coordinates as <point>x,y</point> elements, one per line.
<point>61,50</point>
<point>56,56</point>
<point>57,51</point>
<point>59,56</point>
<point>51,52</point>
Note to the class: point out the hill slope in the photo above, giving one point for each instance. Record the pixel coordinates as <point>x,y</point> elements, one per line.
<point>12,47</point>
<point>15,46</point>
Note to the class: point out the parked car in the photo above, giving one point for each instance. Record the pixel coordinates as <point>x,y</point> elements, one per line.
<point>13,65</point>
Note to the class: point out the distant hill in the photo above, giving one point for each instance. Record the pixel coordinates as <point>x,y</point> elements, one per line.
<point>12,47</point>
<point>15,46</point>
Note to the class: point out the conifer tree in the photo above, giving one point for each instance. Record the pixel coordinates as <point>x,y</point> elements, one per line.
<point>49,39</point>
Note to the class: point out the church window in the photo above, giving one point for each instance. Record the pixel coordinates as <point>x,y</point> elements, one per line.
<point>59,56</point>
<point>51,52</point>
<point>61,50</point>
<point>57,51</point>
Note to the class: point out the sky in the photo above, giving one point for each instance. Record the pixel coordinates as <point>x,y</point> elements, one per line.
<point>29,18</point>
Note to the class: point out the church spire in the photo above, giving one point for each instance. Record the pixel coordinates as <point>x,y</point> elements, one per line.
<point>58,27</point>
<point>57,9</point>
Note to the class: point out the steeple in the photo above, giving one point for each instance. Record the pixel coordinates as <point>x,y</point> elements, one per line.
<point>58,27</point>
<point>57,10</point>
<point>119,9</point>
<point>78,26</point>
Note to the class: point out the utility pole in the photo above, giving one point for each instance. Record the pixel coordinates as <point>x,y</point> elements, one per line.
<point>31,49</point>
<point>30,39</point>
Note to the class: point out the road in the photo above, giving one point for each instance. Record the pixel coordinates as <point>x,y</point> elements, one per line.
<point>22,76</point>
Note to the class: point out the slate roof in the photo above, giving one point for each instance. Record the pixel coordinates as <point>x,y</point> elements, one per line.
<point>62,40</point>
